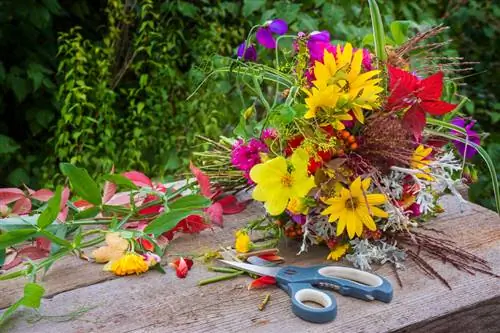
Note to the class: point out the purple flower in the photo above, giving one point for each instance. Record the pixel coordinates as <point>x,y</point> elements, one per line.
<point>316,44</point>
<point>297,218</point>
<point>250,54</point>
<point>245,155</point>
<point>466,150</point>
<point>264,34</point>
<point>269,134</point>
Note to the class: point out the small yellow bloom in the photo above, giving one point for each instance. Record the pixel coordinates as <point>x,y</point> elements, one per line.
<point>338,252</point>
<point>420,162</point>
<point>130,263</point>
<point>115,248</point>
<point>297,206</point>
<point>353,208</point>
<point>278,180</point>
<point>243,242</point>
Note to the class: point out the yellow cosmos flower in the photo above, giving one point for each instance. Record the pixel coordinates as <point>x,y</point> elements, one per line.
<point>130,263</point>
<point>338,252</point>
<point>280,179</point>
<point>297,206</point>
<point>242,243</point>
<point>354,209</point>
<point>419,162</point>
<point>326,99</point>
<point>341,86</point>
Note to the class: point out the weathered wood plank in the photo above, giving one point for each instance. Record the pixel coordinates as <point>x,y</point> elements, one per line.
<point>160,303</point>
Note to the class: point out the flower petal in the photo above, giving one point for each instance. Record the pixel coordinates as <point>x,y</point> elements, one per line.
<point>265,38</point>
<point>375,199</point>
<point>262,282</point>
<point>278,26</point>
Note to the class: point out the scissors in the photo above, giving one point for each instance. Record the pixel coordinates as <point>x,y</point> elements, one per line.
<point>301,284</point>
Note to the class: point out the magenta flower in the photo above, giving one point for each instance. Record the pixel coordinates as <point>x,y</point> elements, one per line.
<point>466,150</point>
<point>265,33</point>
<point>269,134</point>
<point>316,44</point>
<point>250,54</point>
<point>245,155</point>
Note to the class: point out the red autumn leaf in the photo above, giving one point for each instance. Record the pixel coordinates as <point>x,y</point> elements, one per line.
<point>215,212</point>
<point>31,252</point>
<point>192,224</point>
<point>146,244</point>
<point>203,181</point>
<point>231,205</point>
<point>42,243</point>
<point>421,96</point>
<point>153,209</point>
<point>82,204</point>
<point>181,266</point>
<point>138,178</point>
<point>262,282</point>
<point>109,191</point>
<point>22,206</point>
<point>8,195</point>
<point>42,195</point>
<point>272,257</point>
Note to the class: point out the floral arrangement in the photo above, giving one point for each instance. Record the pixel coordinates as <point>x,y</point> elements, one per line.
<point>126,224</point>
<point>356,146</point>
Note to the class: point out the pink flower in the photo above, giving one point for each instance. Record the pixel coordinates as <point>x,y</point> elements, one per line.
<point>245,155</point>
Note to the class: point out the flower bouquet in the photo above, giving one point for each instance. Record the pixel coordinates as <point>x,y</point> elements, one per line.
<point>356,146</point>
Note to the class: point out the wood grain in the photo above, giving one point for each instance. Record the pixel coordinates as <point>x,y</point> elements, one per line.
<point>164,303</point>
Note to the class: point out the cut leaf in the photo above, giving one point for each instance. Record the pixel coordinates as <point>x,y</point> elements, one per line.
<point>231,205</point>
<point>82,183</point>
<point>42,195</point>
<point>262,282</point>
<point>22,206</point>
<point>8,195</point>
<point>193,201</point>
<point>138,178</point>
<point>203,181</point>
<point>122,181</point>
<point>215,212</point>
<point>50,213</point>
<point>181,266</point>
<point>167,221</point>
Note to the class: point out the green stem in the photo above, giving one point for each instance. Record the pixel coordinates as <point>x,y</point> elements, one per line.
<point>220,278</point>
<point>93,242</point>
<point>222,269</point>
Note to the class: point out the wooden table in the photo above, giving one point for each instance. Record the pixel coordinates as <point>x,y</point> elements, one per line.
<point>163,303</point>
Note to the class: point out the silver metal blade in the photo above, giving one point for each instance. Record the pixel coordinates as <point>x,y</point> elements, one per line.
<point>259,270</point>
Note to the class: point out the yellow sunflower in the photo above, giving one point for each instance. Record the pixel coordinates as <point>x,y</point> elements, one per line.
<point>340,85</point>
<point>353,208</point>
<point>338,252</point>
<point>420,162</point>
<point>279,180</point>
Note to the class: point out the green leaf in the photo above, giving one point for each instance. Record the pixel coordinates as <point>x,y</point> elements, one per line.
<point>3,253</point>
<point>82,183</point>
<point>250,6</point>
<point>193,201</point>
<point>7,145</point>
<point>18,177</point>
<point>187,9</point>
<point>120,180</point>
<point>55,240</point>
<point>48,216</point>
<point>33,293</point>
<point>16,236</point>
<point>87,213</point>
<point>168,221</point>
<point>399,31</point>
<point>378,30</point>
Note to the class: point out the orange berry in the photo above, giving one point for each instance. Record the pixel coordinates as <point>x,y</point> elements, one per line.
<point>292,234</point>
<point>354,146</point>
<point>345,134</point>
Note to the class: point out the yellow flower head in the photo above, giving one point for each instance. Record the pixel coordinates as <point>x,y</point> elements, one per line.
<point>420,162</point>
<point>353,208</point>
<point>297,206</point>
<point>279,180</point>
<point>338,252</point>
<point>115,248</point>
<point>130,263</point>
<point>242,243</point>
<point>341,87</point>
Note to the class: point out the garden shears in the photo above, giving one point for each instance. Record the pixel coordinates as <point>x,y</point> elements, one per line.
<point>301,284</point>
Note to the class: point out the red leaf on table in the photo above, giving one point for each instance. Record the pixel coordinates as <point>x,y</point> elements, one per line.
<point>43,243</point>
<point>203,181</point>
<point>8,195</point>
<point>138,178</point>
<point>42,195</point>
<point>109,191</point>
<point>272,257</point>
<point>146,244</point>
<point>31,252</point>
<point>231,205</point>
<point>22,206</point>
<point>215,212</point>
<point>262,282</point>
<point>181,266</point>
<point>192,224</point>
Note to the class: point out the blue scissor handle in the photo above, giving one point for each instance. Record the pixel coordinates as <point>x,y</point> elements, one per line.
<point>303,292</point>
<point>347,281</point>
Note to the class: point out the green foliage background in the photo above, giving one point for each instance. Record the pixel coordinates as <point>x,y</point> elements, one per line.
<point>105,82</point>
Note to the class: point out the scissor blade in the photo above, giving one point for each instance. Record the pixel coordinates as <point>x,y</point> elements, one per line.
<point>259,270</point>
